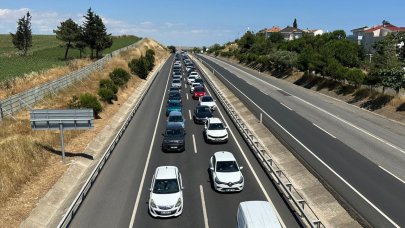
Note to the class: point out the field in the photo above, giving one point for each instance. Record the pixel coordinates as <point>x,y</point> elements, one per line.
<point>46,52</point>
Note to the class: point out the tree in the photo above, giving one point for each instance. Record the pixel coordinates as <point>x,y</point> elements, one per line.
<point>276,37</point>
<point>246,41</point>
<point>139,67</point>
<point>385,56</point>
<point>355,76</point>
<point>22,39</point>
<point>172,48</point>
<point>150,57</point>
<point>295,25</point>
<point>69,32</point>
<point>393,78</point>
<point>104,40</point>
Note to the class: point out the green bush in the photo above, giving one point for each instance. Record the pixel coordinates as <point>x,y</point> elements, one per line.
<point>139,67</point>
<point>106,94</point>
<point>109,84</point>
<point>150,57</point>
<point>120,77</point>
<point>89,101</point>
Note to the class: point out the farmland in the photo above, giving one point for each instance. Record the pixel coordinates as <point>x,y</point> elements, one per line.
<point>46,52</point>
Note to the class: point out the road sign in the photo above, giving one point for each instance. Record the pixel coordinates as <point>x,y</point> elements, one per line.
<point>71,119</point>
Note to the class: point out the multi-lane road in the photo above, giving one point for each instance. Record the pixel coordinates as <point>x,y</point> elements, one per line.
<point>119,197</point>
<point>360,155</point>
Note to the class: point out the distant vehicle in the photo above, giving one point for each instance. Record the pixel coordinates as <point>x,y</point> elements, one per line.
<point>193,85</point>
<point>177,69</point>
<point>166,192</point>
<point>173,105</point>
<point>256,214</point>
<point>176,65</point>
<point>195,74</point>
<point>177,74</point>
<point>226,175</point>
<point>177,62</point>
<point>174,96</point>
<point>176,83</point>
<point>207,101</point>
<point>176,117</point>
<point>174,137</point>
<point>201,114</point>
<point>190,79</point>
<point>199,91</point>
<point>215,131</point>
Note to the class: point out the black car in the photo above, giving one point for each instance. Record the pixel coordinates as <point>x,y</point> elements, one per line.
<point>174,89</point>
<point>173,138</point>
<point>201,114</point>
<point>174,95</point>
<point>199,80</point>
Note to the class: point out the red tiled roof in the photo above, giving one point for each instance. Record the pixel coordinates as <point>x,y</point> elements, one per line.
<point>388,26</point>
<point>273,29</point>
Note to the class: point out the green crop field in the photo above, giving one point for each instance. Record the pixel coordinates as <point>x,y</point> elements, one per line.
<point>46,52</point>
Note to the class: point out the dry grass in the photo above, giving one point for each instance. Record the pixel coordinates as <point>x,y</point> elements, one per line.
<point>27,169</point>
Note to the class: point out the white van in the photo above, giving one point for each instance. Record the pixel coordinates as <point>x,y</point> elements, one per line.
<point>256,214</point>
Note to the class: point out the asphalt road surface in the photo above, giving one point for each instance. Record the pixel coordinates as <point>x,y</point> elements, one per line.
<point>358,154</point>
<point>119,197</point>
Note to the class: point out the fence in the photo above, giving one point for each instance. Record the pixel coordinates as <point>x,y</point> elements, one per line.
<point>291,195</point>
<point>26,99</point>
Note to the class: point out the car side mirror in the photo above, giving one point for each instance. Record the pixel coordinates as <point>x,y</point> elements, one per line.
<point>182,187</point>
<point>212,168</point>
<point>150,189</point>
<point>241,167</point>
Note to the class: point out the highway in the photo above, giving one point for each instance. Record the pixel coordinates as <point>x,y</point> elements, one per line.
<point>358,154</point>
<point>119,197</point>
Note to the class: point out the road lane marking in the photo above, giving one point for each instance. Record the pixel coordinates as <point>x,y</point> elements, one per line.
<point>326,112</point>
<point>324,131</point>
<point>187,96</point>
<point>313,154</point>
<point>392,174</point>
<point>203,207</point>
<point>131,224</point>
<point>286,106</point>
<point>195,145</point>
<point>185,85</point>
<point>189,114</point>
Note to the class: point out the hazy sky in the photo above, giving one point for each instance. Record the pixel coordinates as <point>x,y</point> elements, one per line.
<point>203,22</point>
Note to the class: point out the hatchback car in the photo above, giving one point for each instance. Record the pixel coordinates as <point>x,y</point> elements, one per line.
<point>166,192</point>
<point>215,131</point>
<point>173,105</point>
<point>208,101</point>
<point>199,91</point>
<point>201,114</point>
<point>176,83</point>
<point>174,137</point>
<point>226,175</point>
<point>176,117</point>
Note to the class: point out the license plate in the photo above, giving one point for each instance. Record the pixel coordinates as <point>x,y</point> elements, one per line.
<point>165,212</point>
<point>230,190</point>
<point>174,147</point>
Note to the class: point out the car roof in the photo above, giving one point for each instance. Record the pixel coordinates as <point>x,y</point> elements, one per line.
<point>200,87</point>
<point>215,120</point>
<point>224,156</point>
<point>259,214</point>
<point>166,172</point>
<point>206,96</point>
<point>175,113</point>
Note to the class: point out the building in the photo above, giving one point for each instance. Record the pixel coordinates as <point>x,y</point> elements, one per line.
<point>291,33</point>
<point>358,34</point>
<point>313,32</point>
<point>268,31</point>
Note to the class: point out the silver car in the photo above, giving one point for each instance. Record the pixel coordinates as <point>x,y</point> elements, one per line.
<point>176,83</point>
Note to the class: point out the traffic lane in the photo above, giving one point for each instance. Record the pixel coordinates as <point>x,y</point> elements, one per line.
<point>350,165</point>
<point>109,200</point>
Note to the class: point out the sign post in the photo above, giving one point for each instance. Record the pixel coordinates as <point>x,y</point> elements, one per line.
<point>71,119</point>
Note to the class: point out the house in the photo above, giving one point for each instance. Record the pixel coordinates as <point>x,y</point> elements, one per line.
<point>267,31</point>
<point>291,33</point>
<point>358,34</point>
<point>377,33</point>
<point>313,32</point>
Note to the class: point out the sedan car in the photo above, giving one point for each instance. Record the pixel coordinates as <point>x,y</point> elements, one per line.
<point>226,175</point>
<point>199,91</point>
<point>174,89</point>
<point>201,114</point>
<point>176,83</point>
<point>208,101</point>
<point>174,96</point>
<point>176,117</point>
<point>173,105</point>
<point>177,74</point>
<point>215,131</point>
<point>190,79</point>
<point>166,192</point>
<point>174,137</point>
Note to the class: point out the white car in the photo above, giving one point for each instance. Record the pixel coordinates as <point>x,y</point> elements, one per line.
<point>215,130</point>
<point>193,85</point>
<point>207,101</point>
<point>226,175</point>
<point>190,79</point>
<point>177,75</point>
<point>166,192</point>
<point>195,74</point>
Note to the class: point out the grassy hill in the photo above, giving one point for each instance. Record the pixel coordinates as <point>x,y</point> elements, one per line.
<point>46,52</point>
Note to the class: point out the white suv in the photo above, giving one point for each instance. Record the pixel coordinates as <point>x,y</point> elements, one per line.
<point>225,172</point>
<point>195,74</point>
<point>207,101</point>
<point>166,192</point>
<point>215,130</point>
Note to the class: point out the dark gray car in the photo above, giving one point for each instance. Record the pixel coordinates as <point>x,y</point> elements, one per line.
<point>173,138</point>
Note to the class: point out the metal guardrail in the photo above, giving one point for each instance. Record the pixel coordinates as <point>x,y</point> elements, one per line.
<point>86,187</point>
<point>297,203</point>
<point>26,99</point>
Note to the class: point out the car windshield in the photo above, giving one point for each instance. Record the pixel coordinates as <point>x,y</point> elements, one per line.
<point>174,89</point>
<point>174,132</point>
<point>175,96</point>
<point>191,77</point>
<point>199,89</point>
<point>174,104</point>
<point>216,126</point>
<point>203,109</point>
<point>227,166</point>
<point>199,80</point>
<point>176,81</point>
<point>175,119</point>
<point>165,186</point>
<point>195,84</point>
<point>207,99</point>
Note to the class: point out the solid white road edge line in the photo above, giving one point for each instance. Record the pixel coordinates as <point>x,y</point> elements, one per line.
<point>319,159</point>
<point>131,224</point>
<point>324,131</point>
<point>391,174</point>
<point>250,165</point>
<point>323,110</point>
<point>203,207</point>
<point>286,106</point>
<point>195,145</point>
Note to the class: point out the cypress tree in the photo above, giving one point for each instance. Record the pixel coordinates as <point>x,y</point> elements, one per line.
<point>22,39</point>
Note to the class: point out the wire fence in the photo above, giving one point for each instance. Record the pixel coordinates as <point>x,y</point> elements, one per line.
<point>26,99</point>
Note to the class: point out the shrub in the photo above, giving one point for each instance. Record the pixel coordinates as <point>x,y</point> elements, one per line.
<point>106,94</point>
<point>150,57</point>
<point>89,101</point>
<point>109,84</point>
<point>120,77</point>
<point>74,103</point>
<point>139,67</point>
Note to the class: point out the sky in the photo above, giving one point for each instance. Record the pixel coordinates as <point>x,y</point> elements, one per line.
<point>202,22</point>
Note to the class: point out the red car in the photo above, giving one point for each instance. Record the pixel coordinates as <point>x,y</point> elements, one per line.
<point>199,91</point>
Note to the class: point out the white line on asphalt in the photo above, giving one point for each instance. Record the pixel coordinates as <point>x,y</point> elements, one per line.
<point>187,95</point>
<point>203,207</point>
<point>185,85</point>
<point>195,145</point>
<point>189,114</point>
<point>324,131</point>
<point>131,224</point>
<point>391,174</point>
<point>323,110</point>
<point>286,106</point>
<point>313,154</point>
